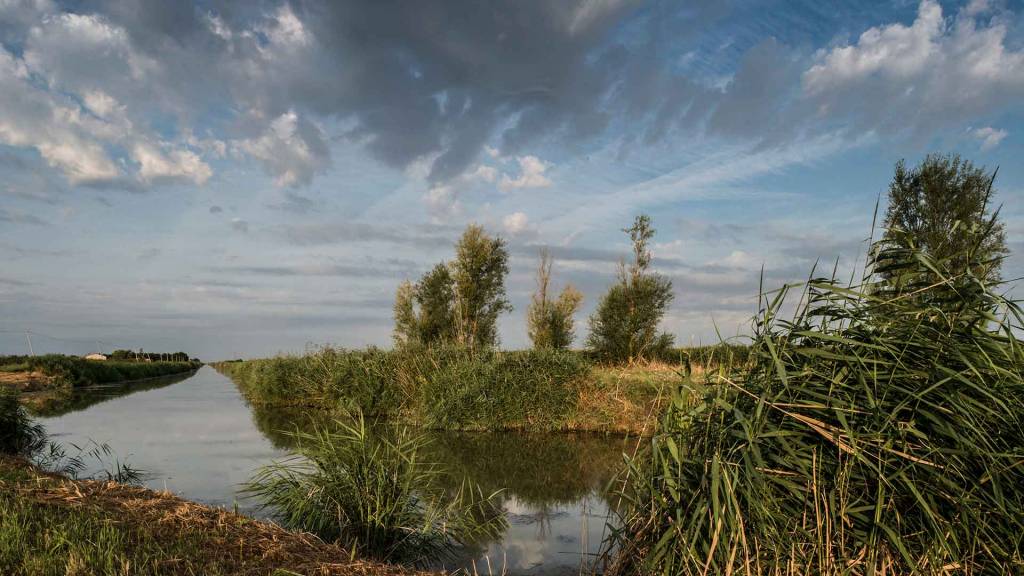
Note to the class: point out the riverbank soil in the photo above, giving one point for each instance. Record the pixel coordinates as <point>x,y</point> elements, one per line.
<point>54,525</point>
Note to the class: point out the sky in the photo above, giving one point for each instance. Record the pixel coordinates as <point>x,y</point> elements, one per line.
<point>242,179</point>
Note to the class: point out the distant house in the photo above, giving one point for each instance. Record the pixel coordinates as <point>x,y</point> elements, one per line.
<point>95,356</point>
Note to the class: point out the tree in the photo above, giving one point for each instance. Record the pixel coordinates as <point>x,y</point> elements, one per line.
<point>550,323</point>
<point>407,325</point>
<point>435,297</point>
<point>423,311</point>
<point>625,325</point>
<point>942,209</point>
<point>459,301</point>
<point>478,278</point>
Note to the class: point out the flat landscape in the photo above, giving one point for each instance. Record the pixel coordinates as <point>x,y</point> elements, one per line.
<point>511,288</point>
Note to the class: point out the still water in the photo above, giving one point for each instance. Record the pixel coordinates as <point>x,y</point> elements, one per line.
<point>199,439</point>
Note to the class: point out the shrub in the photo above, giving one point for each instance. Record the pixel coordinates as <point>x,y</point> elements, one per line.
<point>19,435</point>
<point>375,495</point>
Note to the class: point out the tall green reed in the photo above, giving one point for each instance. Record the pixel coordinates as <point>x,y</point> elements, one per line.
<point>878,431</point>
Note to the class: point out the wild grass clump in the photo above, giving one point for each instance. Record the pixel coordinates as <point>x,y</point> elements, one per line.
<point>880,431</point>
<point>375,495</point>
<point>19,435</point>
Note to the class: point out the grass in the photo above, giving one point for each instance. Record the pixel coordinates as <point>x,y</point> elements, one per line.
<point>376,495</point>
<point>442,387</point>
<point>878,431</point>
<point>449,388</point>
<point>50,525</point>
<point>19,436</point>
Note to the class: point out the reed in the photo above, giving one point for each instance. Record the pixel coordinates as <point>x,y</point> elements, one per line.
<point>374,494</point>
<point>878,431</point>
<point>19,435</point>
<point>448,387</point>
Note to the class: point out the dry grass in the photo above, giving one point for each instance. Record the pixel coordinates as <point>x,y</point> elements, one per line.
<point>216,540</point>
<point>625,399</point>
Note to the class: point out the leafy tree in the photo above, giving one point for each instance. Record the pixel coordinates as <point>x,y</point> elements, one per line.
<point>941,208</point>
<point>550,322</point>
<point>459,301</point>
<point>407,325</point>
<point>423,311</point>
<point>625,325</point>
<point>434,296</point>
<point>478,277</point>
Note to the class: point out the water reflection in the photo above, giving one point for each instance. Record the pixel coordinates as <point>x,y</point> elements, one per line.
<point>199,439</point>
<point>61,402</point>
<point>554,487</point>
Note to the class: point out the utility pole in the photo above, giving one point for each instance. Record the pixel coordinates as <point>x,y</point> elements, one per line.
<point>27,337</point>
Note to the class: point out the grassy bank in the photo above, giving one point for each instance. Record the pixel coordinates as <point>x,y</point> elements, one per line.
<point>451,388</point>
<point>53,525</point>
<point>46,383</point>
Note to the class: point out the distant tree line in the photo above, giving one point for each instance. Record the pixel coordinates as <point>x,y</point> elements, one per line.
<point>459,302</point>
<point>142,356</point>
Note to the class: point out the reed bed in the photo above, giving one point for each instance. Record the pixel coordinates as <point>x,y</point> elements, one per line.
<point>880,430</point>
<point>447,387</point>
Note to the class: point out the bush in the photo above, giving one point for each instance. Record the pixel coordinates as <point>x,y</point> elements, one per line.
<point>19,436</point>
<point>869,434</point>
<point>375,496</point>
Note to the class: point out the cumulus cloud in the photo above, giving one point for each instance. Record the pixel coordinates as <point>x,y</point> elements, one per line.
<point>531,175</point>
<point>292,149</point>
<point>156,165</point>
<point>57,101</point>
<point>937,72</point>
<point>515,223</point>
<point>454,81</point>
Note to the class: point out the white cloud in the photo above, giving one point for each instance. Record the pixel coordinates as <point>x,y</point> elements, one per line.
<point>442,201</point>
<point>32,118</point>
<point>156,165</point>
<point>515,223</point>
<point>895,50</point>
<point>935,73</point>
<point>291,149</point>
<point>531,175</point>
<point>55,104</point>
<point>285,28</point>
<point>990,137</point>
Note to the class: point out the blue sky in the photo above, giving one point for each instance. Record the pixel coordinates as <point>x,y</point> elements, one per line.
<point>240,179</point>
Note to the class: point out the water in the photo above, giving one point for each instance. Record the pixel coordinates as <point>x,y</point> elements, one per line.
<point>197,438</point>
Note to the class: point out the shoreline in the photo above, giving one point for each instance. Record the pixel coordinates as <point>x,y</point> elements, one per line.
<point>151,531</point>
